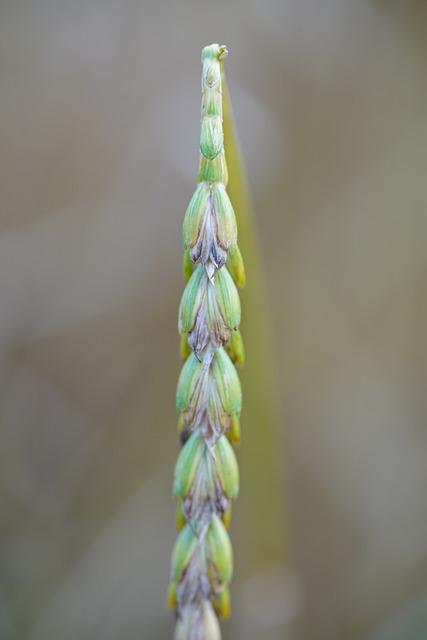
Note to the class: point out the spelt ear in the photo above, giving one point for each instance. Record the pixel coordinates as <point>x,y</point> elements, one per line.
<point>209,395</point>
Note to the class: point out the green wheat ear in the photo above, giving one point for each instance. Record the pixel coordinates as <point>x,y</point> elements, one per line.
<point>209,395</point>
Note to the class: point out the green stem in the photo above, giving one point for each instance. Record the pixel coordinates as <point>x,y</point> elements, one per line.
<point>262,504</point>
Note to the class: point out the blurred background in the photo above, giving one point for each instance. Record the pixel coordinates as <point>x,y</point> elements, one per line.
<point>99,125</point>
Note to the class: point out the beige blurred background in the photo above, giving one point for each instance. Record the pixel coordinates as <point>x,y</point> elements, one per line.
<point>99,119</point>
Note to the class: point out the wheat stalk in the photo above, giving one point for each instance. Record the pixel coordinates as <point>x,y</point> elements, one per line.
<point>209,396</point>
